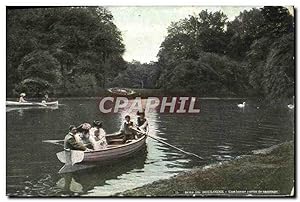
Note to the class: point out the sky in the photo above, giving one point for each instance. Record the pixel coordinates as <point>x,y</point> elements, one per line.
<point>144,28</point>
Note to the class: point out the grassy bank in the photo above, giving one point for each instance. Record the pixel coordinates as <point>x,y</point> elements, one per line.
<point>266,172</point>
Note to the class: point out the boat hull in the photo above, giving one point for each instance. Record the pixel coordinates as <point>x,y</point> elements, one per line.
<point>115,153</point>
<point>30,104</point>
<point>76,160</point>
<point>121,92</point>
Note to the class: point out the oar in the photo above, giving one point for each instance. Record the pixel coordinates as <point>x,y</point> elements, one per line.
<point>57,142</point>
<point>163,142</point>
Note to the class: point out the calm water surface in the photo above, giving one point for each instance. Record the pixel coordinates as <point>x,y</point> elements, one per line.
<point>220,132</point>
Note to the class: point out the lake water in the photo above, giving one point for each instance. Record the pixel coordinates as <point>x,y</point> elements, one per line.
<point>220,132</point>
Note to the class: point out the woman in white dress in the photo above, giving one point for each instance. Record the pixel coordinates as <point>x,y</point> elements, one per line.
<point>97,134</point>
<point>83,135</point>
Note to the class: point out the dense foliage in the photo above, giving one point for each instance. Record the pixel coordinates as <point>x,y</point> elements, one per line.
<point>62,50</point>
<point>138,75</point>
<point>78,50</point>
<point>253,55</point>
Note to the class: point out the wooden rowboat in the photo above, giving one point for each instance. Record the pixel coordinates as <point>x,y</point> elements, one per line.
<point>121,91</point>
<point>31,104</point>
<point>114,152</point>
<point>108,155</point>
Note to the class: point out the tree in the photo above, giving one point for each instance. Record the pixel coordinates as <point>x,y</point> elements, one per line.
<point>270,21</point>
<point>277,21</point>
<point>244,29</point>
<point>188,37</point>
<point>278,76</point>
<point>249,56</point>
<point>256,61</point>
<point>210,74</point>
<point>83,40</point>
<point>39,73</point>
<point>138,75</point>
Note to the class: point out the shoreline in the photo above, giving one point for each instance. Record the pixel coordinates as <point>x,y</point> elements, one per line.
<point>266,172</point>
<point>141,92</point>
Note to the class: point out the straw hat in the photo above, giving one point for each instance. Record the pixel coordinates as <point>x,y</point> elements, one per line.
<point>22,94</point>
<point>86,126</point>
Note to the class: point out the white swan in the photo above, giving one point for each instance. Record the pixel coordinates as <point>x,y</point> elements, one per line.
<point>242,105</point>
<point>291,106</point>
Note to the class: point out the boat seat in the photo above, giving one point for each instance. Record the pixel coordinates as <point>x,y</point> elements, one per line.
<point>116,141</point>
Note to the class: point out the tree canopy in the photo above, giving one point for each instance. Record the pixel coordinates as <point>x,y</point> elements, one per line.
<point>253,55</point>
<point>78,50</point>
<point>50,48</point>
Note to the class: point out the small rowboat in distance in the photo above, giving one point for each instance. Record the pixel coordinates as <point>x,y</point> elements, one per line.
<point>31,104</point>
<point>112,153</point>
<point>121,91</point>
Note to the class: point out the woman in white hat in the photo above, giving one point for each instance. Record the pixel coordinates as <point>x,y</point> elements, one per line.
<point>83,134</point>
<point>21,99</point>
<point>97,133</point>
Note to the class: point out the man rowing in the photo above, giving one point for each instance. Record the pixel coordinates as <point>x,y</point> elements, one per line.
<point>71,142</point>
<point>126,128</point>
<point>142,122</point>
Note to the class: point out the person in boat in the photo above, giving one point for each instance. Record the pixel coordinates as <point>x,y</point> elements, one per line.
<point>83,133</point>
<point>142,122</point>
<point>97,133</point>
<point>71,142</point>
<point>126,129</point>
<point>45,99</point>
<point>21,99</point>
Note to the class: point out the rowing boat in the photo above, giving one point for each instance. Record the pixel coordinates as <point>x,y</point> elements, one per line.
<point>121,91</point>
<point>30,104</point>
<point>112,153</point>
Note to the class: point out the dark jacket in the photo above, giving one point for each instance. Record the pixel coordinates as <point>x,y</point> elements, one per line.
<point>140,121</point>
<point>71,143</point>
<point>125,129</point>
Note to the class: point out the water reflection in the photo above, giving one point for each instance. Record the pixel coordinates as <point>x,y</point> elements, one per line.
<point>85,180</point>
<point>69,184</point>
<point>160,163</point>
<point>220,132</point>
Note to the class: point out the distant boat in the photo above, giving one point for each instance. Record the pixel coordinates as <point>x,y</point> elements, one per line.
<point>291,106</point>
<point>242,105</point>
<point>31,104</point>
<point>121,91</point>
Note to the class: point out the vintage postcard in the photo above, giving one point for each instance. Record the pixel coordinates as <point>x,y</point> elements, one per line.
<point>150,101</point>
